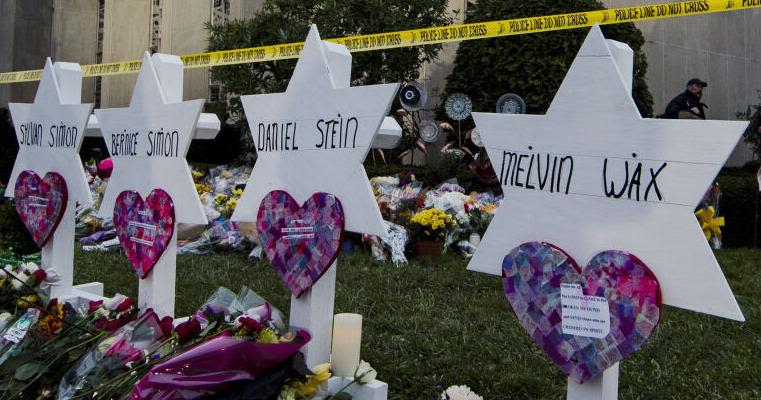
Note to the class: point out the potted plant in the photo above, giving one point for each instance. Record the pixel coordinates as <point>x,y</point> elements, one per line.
<point>428,229</point>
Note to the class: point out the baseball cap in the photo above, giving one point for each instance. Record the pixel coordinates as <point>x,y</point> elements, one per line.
<point>696,81</point>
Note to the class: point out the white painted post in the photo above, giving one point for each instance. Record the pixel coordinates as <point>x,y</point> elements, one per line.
<point>58,254</point>
<point>156,104</point>
<point>58,102</point>
<point>323,69</point>
<point>314,312</point>
<point>593,119</point>
<point>157,290</point>
<point>602,387</point>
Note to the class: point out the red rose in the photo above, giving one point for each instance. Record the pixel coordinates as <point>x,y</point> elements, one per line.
<point>250,325</point>
<point>467,208</point>
<point>116,323</point>
<point>125,305</point>
<point>39,275</point>
<point>421,202</point>
<point>94,306</point>
<point>166,325</point>
<point>188,330</point>
<point>100,324</point>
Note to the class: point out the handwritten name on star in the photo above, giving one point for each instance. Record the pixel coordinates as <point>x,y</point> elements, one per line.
<point>337,132</point>
<point>37,134</point>
<point>625,179</point>
<point>152,143</point>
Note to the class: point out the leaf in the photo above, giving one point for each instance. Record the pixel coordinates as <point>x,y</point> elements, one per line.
<point>208,329</point>
<point>27,371</point>
<point>343,396</point>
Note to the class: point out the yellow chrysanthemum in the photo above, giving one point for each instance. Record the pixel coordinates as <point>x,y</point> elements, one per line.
<point>26,301</point>
<point>220,199</point>
<point>313,383</point>
<point>267,335</point>
<point>237,192</point>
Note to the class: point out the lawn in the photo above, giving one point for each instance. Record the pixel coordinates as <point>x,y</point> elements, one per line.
<point>434,322</point>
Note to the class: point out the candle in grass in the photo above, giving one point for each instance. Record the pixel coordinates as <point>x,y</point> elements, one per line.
<point>347,337</point>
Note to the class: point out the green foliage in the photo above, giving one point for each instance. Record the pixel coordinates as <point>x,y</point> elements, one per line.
<point>739,191</point>
<point>13,233</point>
<point>533,65</point>
<point>753,133</point>
<point>287,21</point>
<point>433,322</point>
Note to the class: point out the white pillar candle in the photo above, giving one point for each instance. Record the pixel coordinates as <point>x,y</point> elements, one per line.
<point>347,337</point>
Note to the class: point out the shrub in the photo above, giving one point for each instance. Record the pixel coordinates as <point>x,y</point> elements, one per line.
<point>533,65</point>
<point>739,189</point>
<point>753,133</point>
<point>13,233</point>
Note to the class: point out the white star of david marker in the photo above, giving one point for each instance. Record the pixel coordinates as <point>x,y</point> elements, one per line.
<point>315,136</point>
<point>50,133</point>
<point>148,142</point>
<point>556,171</point>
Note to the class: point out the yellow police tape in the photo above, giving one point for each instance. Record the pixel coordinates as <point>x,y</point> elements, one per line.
<point>418,37</point>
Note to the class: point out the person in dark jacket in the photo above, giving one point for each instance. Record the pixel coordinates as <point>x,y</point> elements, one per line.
<point>687,104</point>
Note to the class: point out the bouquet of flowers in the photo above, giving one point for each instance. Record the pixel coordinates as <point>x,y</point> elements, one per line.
<point>431,224</point>
<point>243,347</point>
<point>455,392</point>
<point>99,370</point>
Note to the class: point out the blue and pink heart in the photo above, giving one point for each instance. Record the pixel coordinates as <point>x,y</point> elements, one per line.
<point>301,241</point>
<point>40,203</point>
<point>144,227</point>
<point>532,275</point>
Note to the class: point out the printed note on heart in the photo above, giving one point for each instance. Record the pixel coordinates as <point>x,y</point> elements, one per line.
<point>40,203</point>
<point>301,242</point>
<point>144,227</point>
<point>532,275</point>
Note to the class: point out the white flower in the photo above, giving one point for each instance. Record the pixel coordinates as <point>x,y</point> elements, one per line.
<point>101,313</point>
<point>385,180</point>
<point>17,284</point>
<point>4,274</point>
<point>29,267</point>
<point>5,317</point>
<point>462,393</point>
<point>450,202</point>
<point>51,279</point>
<point>113,302</point>
<point>364,373</point>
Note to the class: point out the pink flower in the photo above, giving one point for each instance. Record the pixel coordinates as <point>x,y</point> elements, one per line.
<point>250,325</point>
<point>39,275</point>
<point>188,330</point>
<point>94,306</point>
<point>166,325</point>
<point>125,305</point>
<point>124,351</point>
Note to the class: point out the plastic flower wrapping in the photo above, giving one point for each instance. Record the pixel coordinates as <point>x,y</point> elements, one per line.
<point>236,345</point>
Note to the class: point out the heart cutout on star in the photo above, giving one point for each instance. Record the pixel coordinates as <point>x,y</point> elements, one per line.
<point>301,241</point>
<point>532,275</point>
<point>144,227</point>
<point>40,203</point>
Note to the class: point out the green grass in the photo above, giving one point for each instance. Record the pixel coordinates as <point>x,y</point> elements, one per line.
<point>434,322</point>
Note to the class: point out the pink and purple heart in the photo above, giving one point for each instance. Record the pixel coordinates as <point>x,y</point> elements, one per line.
<point>40,203</point>
<point>531,276</point>
<point>144,228</point>
<point>301,241</point>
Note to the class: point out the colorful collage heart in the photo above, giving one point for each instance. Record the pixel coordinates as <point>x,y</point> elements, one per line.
<point>40,203</point>
<point>532,275</point>
<point>144,228</point>
<point>301,241</point>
